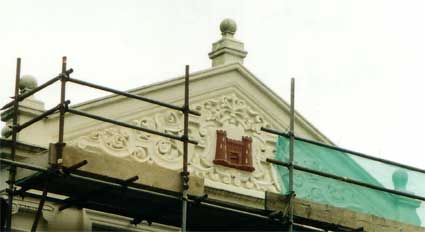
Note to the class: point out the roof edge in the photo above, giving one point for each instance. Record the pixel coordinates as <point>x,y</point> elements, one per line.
<point>201,74</point>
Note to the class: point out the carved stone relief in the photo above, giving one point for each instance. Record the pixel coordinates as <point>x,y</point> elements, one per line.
<point>22,206</point>
<point>228,112</point>
<point>328,191</point>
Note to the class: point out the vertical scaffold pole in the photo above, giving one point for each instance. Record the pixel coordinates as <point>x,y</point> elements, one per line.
<point>291,155</point>
<point>60,144</point>
<point>12,169</point>
<point>185,173</point>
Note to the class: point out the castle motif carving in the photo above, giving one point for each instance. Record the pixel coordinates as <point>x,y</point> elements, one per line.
<point>233,153</point>
<point>229,112</point>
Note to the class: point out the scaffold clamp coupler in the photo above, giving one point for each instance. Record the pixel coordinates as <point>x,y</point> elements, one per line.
<point>65,75</point>
<point>9,191</point>
<point>185,138</point>
<point>16,127</point>
<point>185,109</point>
<point>60,145</point>
<point>291,134</point>
<point>276,215</point>
<point>66,104</point>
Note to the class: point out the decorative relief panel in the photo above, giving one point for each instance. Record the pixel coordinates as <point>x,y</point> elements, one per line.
<point>227,112</point>
<point>233,153</point>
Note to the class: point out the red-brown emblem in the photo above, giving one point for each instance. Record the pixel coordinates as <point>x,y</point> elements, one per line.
<point>234,153</point>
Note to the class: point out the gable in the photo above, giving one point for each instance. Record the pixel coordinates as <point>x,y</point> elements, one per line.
<point>202,85</point>
<point>228,97</point>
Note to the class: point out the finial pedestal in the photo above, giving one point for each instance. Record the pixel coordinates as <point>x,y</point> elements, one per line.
<point>227,49</point>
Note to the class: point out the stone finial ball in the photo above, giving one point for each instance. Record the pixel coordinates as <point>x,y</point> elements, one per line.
<point>400,178</point>
<point>6,132</point>
<point>27,82</point>
<point>228,26</point>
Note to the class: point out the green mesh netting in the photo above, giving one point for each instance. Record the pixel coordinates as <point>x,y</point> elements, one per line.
<point>344,195</point>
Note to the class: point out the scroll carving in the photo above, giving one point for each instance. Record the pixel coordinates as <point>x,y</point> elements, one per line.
<point>228,112</point>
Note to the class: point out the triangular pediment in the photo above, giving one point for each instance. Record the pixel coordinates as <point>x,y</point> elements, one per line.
<point>217,81</point>
<point>228,97</point>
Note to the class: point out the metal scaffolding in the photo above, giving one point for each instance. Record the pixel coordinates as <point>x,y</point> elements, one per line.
<point>56,172</point>
<point>291,166</point>
<point>57,149</point>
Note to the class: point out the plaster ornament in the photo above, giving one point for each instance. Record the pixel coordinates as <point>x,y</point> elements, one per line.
<point>228,112</point>
<point>27,83</point>
<point>15,208</point>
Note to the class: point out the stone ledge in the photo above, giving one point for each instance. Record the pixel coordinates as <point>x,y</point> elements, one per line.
<point>314,211</point>
<point>122,168</point>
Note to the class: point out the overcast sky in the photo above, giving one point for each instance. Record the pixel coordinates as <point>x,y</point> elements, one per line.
<point>358,64</point>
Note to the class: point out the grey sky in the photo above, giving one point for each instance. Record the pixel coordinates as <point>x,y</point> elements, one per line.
<point>358,64</point>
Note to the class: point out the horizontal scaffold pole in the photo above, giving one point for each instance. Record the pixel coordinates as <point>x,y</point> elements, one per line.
<point>35,90</point>
<point>38,117</point>
<point>345,150</point>
<point>126,94</point>
<point>69,202</point>
<point>22,165</point>
<point>68,170</point>
<point>147,130</point>
<point>345,179</point>
<point>117,183</point>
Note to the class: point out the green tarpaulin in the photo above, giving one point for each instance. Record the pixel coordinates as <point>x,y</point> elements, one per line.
<point>344,195</point>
